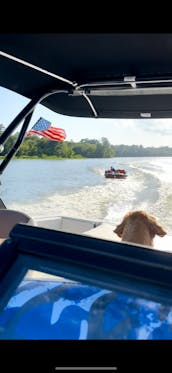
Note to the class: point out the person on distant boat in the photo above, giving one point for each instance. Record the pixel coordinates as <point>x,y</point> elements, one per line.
<point>112,170</point>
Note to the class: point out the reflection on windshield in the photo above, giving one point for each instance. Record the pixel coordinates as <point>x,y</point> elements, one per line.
<point>51,307</point>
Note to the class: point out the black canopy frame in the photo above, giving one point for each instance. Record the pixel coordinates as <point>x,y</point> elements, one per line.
<point>119,75</point>
<point>26,115</point>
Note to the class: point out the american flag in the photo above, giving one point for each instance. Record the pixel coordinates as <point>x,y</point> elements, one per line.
<point>44,128</point>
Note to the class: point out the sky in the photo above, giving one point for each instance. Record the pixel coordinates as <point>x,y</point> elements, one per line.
<point>145,132</point>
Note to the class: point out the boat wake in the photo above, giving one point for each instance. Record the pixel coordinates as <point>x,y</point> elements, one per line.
<point>148,187</point>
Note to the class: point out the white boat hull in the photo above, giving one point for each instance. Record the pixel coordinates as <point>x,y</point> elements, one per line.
<point>97,229</point>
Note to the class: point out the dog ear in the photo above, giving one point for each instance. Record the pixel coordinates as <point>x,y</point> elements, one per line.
<point>119,229</point>
<point>156,228</point>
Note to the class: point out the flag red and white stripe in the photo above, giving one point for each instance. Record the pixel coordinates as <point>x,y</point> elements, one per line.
<point>44,128</point>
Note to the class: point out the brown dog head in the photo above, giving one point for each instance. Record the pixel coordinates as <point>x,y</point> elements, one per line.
<point>133,218</point>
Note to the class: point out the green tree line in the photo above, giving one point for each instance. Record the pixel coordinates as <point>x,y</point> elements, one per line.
<point>141,151</point>
<point>36,147</point>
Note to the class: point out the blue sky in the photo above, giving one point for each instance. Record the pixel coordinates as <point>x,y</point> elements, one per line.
<point>146,132</point>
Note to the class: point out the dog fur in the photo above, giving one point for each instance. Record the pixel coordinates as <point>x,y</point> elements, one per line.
<point>139,227</point>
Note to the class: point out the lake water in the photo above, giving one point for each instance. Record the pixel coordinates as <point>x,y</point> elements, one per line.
<point>77,188</point>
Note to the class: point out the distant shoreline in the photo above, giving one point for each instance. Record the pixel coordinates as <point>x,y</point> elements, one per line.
<point>53,158</point>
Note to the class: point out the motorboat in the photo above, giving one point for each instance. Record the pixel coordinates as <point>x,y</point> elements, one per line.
<point>115,174</point>
<point>71,279</point>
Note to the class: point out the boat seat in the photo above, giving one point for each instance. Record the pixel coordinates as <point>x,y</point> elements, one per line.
<point>9,218</point>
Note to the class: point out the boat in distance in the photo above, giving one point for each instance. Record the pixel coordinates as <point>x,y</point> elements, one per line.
<point>115,174</point>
